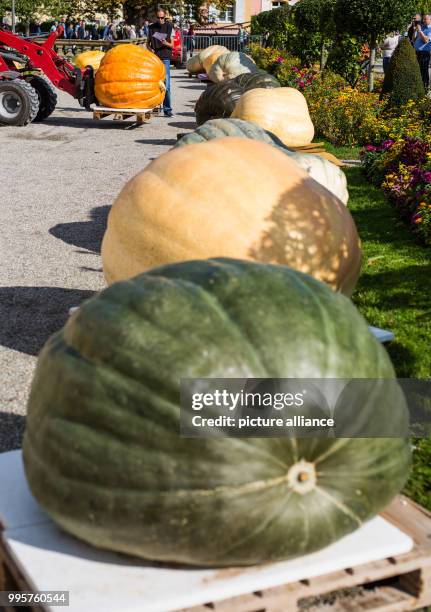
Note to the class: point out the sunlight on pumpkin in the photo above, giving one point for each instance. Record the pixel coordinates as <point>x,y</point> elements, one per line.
<point>284,218</point>
<point>309,233</point>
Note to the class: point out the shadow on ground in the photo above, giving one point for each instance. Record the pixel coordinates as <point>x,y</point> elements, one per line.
<point>11,431</point>
<point>84,234</point>
<point>197,87</point>
<point>30,315</point>
<point>88,122</point>
<point>167,142</point>
<point>186,125</point>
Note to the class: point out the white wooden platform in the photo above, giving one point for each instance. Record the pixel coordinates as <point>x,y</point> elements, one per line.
<point>106,582</point>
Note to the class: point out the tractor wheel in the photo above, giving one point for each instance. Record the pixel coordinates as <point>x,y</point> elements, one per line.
<point>47,97</point>
<point>19,102</point>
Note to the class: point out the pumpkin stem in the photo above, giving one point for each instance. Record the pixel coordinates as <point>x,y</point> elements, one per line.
<point>301,477</point>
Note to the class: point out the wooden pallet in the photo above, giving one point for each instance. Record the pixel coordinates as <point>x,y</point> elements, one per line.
<point>121,114</point>
<point>397,584</point>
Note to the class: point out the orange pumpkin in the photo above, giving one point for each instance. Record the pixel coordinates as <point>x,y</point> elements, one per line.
<point>130,77</point>
<point>251,201</point>
<point>89,58</point>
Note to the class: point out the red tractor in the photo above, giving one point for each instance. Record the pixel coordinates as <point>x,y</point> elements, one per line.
<point>29,70</point>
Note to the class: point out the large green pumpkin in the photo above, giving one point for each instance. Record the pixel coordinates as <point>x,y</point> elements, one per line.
<point>220,128</point>
<point>102,449</point>
<point>219,100</point>
<point>253,80</point>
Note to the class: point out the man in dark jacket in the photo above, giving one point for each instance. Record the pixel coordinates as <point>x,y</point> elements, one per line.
<point>160,42</point>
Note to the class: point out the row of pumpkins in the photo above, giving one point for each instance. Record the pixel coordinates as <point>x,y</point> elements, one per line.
<point>224,259</point>
<point>241,90</point>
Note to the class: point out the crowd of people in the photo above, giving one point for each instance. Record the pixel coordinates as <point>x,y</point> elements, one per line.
<point>83,30</point>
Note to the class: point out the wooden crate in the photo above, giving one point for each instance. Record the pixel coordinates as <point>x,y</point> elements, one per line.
<point>397,584</point>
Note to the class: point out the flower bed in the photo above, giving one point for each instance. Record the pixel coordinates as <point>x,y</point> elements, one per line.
<point>342,114</point>
<point>402,168</point>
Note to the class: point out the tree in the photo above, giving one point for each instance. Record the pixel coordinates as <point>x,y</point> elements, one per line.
<point>403,81</point>
<point>370,20</point>
<point>315,18</point>
<point>278,22</point>
<point>344,58</point>
<point>111,8</point>
<point>25,10</point>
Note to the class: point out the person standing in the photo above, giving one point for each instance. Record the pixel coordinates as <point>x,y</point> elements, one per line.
<point>423,48</point>
<point>242,37</point>
<point>160,42</point>
<point>388,47</point>
<point>191,40</point>
<point>412,31</point>
<point>81,31</point>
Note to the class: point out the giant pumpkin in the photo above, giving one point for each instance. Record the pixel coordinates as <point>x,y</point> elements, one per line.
<point>230,65</point>
<point>282,111</point>
<point>208,59</point>
<point>89,58</point>
<point>130,77</point>
<point>220,128</point>
<point>230,197</point>
<point>220,99</point>
<point>102,449</point>
<point>194,65</point>
<point>211,50</point>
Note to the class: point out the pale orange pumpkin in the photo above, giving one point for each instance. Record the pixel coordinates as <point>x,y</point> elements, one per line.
<point>194,65</point>
<point>283,111</point>
<point>208,59</point>
<point>230,197</point>
<point>89,58</point>
<point>130,77</point>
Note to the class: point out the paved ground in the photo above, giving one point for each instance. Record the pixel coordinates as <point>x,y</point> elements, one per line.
<point>57,181</point>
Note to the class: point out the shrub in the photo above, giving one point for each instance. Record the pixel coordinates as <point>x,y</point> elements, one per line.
<point>403,169</point>
<point>290,74</point>
<point>268,58</point>
<point>403,80</point>
<point>345,58</point>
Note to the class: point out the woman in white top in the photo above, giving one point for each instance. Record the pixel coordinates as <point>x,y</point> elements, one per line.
<point>388,47</point>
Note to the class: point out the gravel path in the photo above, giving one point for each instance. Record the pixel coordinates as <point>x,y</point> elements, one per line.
<point>57,181</point>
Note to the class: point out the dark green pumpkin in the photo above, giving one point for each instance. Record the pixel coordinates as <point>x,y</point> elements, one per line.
<point>102,449</point>
<point>219,100</point>
<point>220,128</point>
<point>253,80</point>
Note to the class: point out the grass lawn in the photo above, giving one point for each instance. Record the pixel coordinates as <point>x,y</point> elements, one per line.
<point>394,292</point>
<point>341,152</point>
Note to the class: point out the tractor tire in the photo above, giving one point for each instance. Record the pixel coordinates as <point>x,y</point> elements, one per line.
<point>19,102</point>
<point>47,97</point>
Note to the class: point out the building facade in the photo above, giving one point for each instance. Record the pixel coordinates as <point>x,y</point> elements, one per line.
<point>243,10</point>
